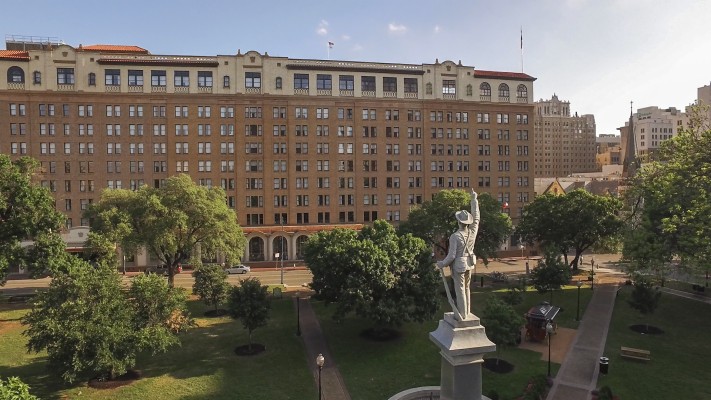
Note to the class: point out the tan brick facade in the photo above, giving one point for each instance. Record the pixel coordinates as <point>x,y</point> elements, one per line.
<point>317,143</point>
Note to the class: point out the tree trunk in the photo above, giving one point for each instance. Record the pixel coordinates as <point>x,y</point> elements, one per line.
<point>171,275</point>
<point>250,341</point>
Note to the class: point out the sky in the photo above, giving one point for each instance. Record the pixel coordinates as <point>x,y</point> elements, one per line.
<point>597,54</point>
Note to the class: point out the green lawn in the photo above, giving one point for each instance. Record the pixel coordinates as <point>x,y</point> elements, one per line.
<point>204,367</point>
<point>377,370</point>
<point>679,365</point>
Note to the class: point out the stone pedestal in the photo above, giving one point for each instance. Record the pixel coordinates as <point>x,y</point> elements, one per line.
<point>462,345</point>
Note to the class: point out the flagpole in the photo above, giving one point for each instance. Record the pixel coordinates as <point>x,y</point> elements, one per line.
<point>522,49</point>
<point>328,51</point>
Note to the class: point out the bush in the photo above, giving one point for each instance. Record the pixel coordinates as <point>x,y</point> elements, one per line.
<point>605,393</point>
<point>497,276</point>
<point>15,389</point>
<point>513,296</point>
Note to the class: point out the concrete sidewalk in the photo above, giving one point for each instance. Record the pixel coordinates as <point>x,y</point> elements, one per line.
<point>578,374</point>
<point>332,385</point>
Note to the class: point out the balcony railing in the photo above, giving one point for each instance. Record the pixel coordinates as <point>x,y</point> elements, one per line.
<point>159,89</point>
<point>504,99</point>
<point>368,93</point>
<point>301,91</point>
<point>323,92</point>
<point>410,95</point>
<point>522,99</point>
<point>135,88</point>
<point>16,85</point>
<point>112,88</point>
<point>204,89</point>
<point>65,87</point>
<point>345,93</point>
<point>182,89</point>
<point>484,98</point>
<point>253,90</point>
<point>390,94</point>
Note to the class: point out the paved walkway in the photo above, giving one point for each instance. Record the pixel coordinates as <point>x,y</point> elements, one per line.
<point>577,376</point>
<point>332,385</point>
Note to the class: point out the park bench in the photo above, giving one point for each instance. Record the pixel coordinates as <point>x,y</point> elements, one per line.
<point>635,354</point>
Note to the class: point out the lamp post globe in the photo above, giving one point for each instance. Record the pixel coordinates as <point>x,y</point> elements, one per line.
<point>577,315</point>
<point>320,360</point>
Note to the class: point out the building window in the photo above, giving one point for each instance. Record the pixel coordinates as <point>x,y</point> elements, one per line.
<point>65,76</point>
<point>485,89</point>
<point>226,81</point>
<point>323,82</point>
<point>158,78</point>
<point>301,81</point>
<point>253,79</point>
<point>410,85</point>
<point>503,90</point>
<point>37,77</point>
<point>367,83</point>
<point>278,82</point>
<point>389,84</point>
<point>449,86</point>
<point>112,77</point>
<point>469,89</point>
<point>135,77</point>
<point>92,79</point>
<point>345,82</point>
<point>181,78</point>
<point>15,75</point>
<point>204,78</point>
<point>522,92</point>
<point>428,88</point>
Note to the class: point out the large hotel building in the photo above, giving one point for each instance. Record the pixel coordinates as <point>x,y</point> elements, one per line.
<point>298,145</point>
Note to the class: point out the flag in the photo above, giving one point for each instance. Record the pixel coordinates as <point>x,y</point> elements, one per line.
<point>521,38</point>
<point>330,45</point>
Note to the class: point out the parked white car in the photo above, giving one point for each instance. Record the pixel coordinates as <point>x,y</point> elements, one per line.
<point>238,269</point>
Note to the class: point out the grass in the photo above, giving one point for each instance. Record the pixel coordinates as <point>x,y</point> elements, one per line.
<point>204,367</point>
<point>377,370</point>
<point>680,355</point>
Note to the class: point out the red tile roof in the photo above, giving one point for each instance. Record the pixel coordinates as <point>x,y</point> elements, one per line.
<point>14,55</point>
<point>114,48</point>
<point>502,75</point>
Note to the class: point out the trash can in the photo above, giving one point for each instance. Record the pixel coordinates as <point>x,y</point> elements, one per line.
<point>604,364</point>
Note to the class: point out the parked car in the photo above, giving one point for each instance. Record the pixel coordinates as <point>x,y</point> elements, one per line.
<point>238,269</point>
<point>157,269</point>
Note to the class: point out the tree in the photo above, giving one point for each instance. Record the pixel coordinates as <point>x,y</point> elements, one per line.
<point>434,221</point>
<point>159,312</point>
<point>375,273</point>
<point>84,322</point>
<point>550,274</point>
<point>645,297</point>
<point>15,389</point>
<point>172,222</point>
<point>88,325</point>
<point>574,221</point>
<point>211,284</point>
<point>503,324</point>
<point>670,202</point>
<point>27,212</point>
<point>249,302</point>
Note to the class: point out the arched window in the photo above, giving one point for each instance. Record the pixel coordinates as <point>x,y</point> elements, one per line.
<point>15,75</point>
<point>278,82</point>
<point>300,242</point>
<point>469,89</point>
<point>503,90</point>
<point>522,91</point>
<point>485,89</point>
<point>256,249</point>
<point>92,79</point>
<point>37,77</point>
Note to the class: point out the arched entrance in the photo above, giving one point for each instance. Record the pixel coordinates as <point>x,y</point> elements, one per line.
<point>300,241</point>
<point>281,247</point>
<point>256,249</point>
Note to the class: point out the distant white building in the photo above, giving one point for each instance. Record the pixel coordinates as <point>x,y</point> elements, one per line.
<point>652,126</point>
<point>704,98</point>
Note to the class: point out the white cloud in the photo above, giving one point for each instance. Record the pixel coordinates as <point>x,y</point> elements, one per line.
<point>322,28</point>
<point>357,47</point>
<point>396,28</point>
<point>437,29</point>
<point>345,37</point>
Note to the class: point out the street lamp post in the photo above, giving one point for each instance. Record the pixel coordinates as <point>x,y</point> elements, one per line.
<point>281,259</point>
<point>298,313</point>
<point>319,362</point>
<point>522,248</point>
<point>577,315</point>
<point>592,279</point>
<point>549,331</point>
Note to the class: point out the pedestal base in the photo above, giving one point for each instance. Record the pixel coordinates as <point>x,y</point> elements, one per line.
<point>462,345</point>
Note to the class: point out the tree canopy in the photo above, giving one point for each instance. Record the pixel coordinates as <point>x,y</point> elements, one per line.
<point>27,212</point>
<point>434,221</point>
<point>172,222</point>
<point>503,324</point>
<point>249,302</point>
<point>211,284</point>
<point>550,274</point>
<point>573,221</point>
<point>88,324</point>
<point>375,273</point>
<point>671,202</point>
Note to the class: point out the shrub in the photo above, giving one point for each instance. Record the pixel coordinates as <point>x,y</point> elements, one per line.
<point>15,389</point>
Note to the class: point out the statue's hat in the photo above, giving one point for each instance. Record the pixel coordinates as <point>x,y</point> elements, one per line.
<point>464,217</point>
